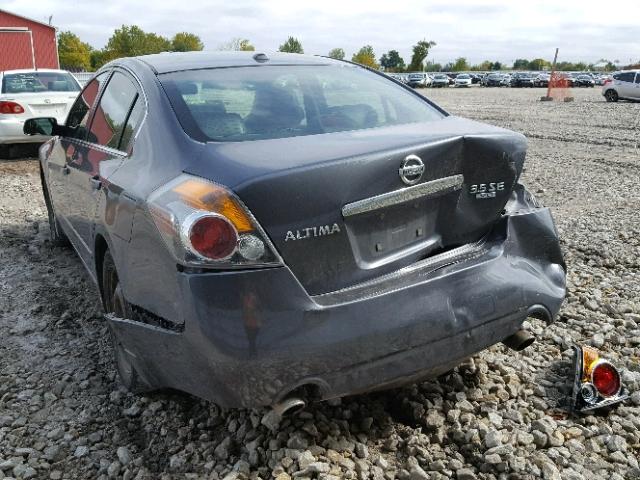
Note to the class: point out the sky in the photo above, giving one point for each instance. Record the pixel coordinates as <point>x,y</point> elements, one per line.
<point>501,30</point>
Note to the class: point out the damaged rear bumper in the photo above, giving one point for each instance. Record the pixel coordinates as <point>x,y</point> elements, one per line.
<point>252,337</point>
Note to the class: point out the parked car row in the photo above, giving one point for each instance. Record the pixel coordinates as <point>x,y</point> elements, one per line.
<point>499,79</point>
<point>423,79</point>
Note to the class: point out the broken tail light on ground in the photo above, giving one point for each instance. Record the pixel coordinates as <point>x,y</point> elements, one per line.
<point>597,382</point>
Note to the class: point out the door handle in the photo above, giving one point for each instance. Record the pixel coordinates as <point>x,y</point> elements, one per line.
<point>65,170</point>
<point>96,183</point>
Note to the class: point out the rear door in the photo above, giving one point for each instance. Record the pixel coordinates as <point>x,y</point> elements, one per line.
<point>625,84</point>
<point>99,155</point>
<point>636,89</point>
<point>64,150</point>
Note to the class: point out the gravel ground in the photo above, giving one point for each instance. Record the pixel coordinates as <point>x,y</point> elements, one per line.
<point>501,415</point>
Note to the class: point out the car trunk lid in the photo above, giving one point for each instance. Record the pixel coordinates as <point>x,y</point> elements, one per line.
<point>336,207</point>
<point>43,104</point>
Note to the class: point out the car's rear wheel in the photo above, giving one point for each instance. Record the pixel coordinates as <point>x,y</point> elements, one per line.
<point>115,304</point>
<point>58,237</point>
<point>611,95</point>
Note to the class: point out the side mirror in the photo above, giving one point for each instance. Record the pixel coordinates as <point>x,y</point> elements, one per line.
<point>41,126</point>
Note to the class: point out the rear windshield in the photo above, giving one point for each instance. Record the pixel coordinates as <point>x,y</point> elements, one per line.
<point>33,82</point>
<point>253,103</point>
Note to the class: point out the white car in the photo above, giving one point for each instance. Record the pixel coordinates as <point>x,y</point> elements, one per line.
<point>27,94</point>
<point>463,80</point>
<point>624,85</point>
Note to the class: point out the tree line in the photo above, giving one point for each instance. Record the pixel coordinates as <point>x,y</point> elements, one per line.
<point>131,40</point>
<point>126,41</point>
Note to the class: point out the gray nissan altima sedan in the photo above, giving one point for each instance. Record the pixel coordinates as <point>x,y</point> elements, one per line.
<point>287,228</point>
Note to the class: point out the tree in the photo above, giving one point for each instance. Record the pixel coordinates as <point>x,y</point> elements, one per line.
<point>420,52</point>
<point>538,64</point>
<point>497,66</point>
<point>460,65</point>
<point>611,67</point>
<point>432,67</point>
<point>245,46</point>
<point>131,41</point>
<point>482,67</point>
<point>392,61</point>
<point>292,45</point>
<point>238,44</point>
<point>186,42</point>
<point>365,56</point>
<point>98,58</point>
<point>73,53</point>
<point>521,64</point>
<point>337,53</point>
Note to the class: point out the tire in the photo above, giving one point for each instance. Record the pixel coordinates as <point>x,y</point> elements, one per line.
<point>4,152</point>
<point>115,303</point>
<point>611,95</point>
<point>58,237</point>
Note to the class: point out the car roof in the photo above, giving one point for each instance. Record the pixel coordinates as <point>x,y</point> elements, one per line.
<point>32,70</point>
<point>179,61</point>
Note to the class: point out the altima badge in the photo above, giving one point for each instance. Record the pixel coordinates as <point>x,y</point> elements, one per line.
<point>311,232</point>
<point>411,169</point>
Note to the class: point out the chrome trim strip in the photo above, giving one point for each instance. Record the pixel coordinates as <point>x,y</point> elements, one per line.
<point>427,189</point>
<point>423,267</point>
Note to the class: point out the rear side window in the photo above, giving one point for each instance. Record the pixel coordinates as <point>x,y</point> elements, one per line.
<point>638,77</point>
<point>110,116</point>
<point>79,113</point>
<point>252,103</point>
<point>133,122</point>
<point>625,76</point>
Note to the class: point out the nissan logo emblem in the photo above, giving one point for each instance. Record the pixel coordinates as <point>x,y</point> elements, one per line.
<point>411,169</point>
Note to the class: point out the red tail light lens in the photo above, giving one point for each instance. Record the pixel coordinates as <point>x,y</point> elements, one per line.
<point>11,108</point>
<point>213,237</point>
<point>606,379</point>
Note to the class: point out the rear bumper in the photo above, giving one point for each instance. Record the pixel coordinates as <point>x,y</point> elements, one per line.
<point>251,337</point>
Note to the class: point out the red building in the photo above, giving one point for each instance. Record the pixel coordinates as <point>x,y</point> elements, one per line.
<point>26,43</point>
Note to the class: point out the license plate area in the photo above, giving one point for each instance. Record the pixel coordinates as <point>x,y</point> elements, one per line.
<point>48,109</point>
<point>394,232</point>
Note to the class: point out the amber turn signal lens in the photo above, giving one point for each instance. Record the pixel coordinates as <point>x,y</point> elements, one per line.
<point>209,197</point>
<point>589,358</point>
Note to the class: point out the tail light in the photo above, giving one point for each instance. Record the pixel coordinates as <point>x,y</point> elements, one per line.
<point>607,81</point>
<point>606,379</point>
<point>11,108</point>
<point>205,224</point>
<point>597,381</point>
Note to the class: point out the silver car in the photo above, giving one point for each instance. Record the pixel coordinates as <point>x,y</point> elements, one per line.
<point>624,86</point>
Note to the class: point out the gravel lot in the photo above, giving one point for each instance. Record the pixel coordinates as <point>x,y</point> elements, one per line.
<point>501,415</point>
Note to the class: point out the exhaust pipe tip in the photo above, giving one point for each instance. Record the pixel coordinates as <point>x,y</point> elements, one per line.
<point>289,406</point>
<point>519,340</point>
<point>286,407</point>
